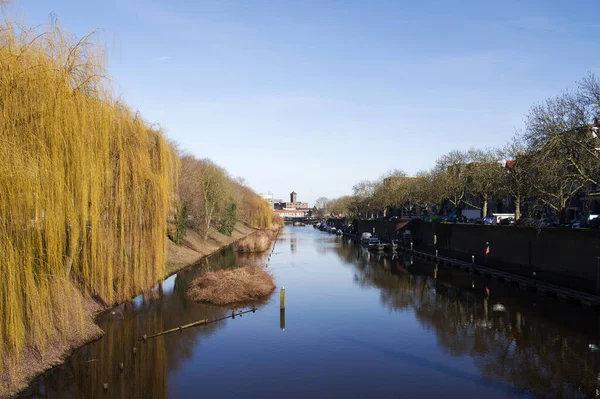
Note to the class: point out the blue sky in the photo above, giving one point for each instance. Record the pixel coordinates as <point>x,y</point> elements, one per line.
<point>313,96</point>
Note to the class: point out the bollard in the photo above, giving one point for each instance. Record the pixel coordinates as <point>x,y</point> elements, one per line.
<point>282,298</point>
<point>105,386</point>
<point>435,239</point>
<point>411,245</point>
<point>519,322</point>
<point>134,350</point>
<point>411,260</point>
<point>472,258</point>
<point>598,275</point>
<point>485,307</point>
<point>435,272</point>
<point>282,319</point>
<point>436,253</point>
<point>473,284</point>
<point>121,366</point>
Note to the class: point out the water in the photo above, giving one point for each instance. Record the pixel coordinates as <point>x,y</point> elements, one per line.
<point>356,324</point>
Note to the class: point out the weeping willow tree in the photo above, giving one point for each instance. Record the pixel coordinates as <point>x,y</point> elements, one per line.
<point>85,186</point>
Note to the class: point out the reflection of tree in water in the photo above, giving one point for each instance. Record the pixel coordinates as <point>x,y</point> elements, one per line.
<point>535,355</point>
<point>144,373</point>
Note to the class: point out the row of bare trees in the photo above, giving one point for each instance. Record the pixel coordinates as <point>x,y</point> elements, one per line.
<point>211,199</point>
<point>540,169</point>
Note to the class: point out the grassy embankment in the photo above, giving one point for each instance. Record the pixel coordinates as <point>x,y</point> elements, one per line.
<point>87,188</point>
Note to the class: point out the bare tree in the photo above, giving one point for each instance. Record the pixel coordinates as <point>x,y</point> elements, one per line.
<point>561,128</point>
<point>392,190</point>
<point>341,206</point>
<point>425,190</point>
<point>364,199</point>
<point>452,176</point>
<point>517,179</point>
<point>204,190</point>
<point>553,183</point>
<point>320,208</point>
<point>485,174</point>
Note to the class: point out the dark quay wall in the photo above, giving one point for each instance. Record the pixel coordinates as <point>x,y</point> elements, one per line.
<point>562,256</point>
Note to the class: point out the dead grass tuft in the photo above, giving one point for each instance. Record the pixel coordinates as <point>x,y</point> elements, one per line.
<point>225,287</point>
<point>259,242</point>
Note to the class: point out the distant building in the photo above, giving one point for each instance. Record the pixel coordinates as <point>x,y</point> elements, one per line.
<point>293,204</point>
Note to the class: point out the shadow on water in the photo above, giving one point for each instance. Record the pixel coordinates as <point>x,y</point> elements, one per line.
<point>539,346</point>
<point>141,373</point>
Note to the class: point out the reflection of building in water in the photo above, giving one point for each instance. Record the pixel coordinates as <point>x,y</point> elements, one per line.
<point>293,244</point>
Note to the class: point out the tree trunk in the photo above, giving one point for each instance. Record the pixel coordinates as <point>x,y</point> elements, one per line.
<point>517,207</point>
<point>485,206</point>
<point>563,216</point>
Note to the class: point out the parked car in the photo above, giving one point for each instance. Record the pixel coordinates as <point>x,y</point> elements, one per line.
<point>594,223</point>
<point>364,238</point>
<point>489,220</point>
<point>506,222</point>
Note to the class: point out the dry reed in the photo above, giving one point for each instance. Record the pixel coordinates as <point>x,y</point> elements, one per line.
<point>230,286</point>
<point>257,242</point>
<point>86,186</point>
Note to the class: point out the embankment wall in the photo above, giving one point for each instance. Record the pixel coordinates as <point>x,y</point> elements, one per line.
<point>562,256</point>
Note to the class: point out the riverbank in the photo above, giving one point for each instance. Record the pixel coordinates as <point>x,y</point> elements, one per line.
<point>33,361</point>
<point>194,247</point>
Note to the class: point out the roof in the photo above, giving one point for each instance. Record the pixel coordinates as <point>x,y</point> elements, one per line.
<point>402,225</point>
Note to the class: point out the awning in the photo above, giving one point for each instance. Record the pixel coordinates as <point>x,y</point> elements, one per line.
<point>401,225</point>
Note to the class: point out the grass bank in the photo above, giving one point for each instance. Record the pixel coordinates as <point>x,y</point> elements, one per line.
<point>195,247</point>
<point>259,242</point>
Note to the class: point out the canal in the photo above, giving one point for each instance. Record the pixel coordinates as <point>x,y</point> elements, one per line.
<point>357,324</point>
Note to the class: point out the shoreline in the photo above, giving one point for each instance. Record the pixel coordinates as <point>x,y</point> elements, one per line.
<point>34,363</point>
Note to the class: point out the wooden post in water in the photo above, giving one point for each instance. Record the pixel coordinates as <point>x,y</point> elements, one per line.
<point>282,298</point>
<point>282,319</point>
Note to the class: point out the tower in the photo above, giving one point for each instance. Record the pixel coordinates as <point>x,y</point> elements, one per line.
<point>293,196</point>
